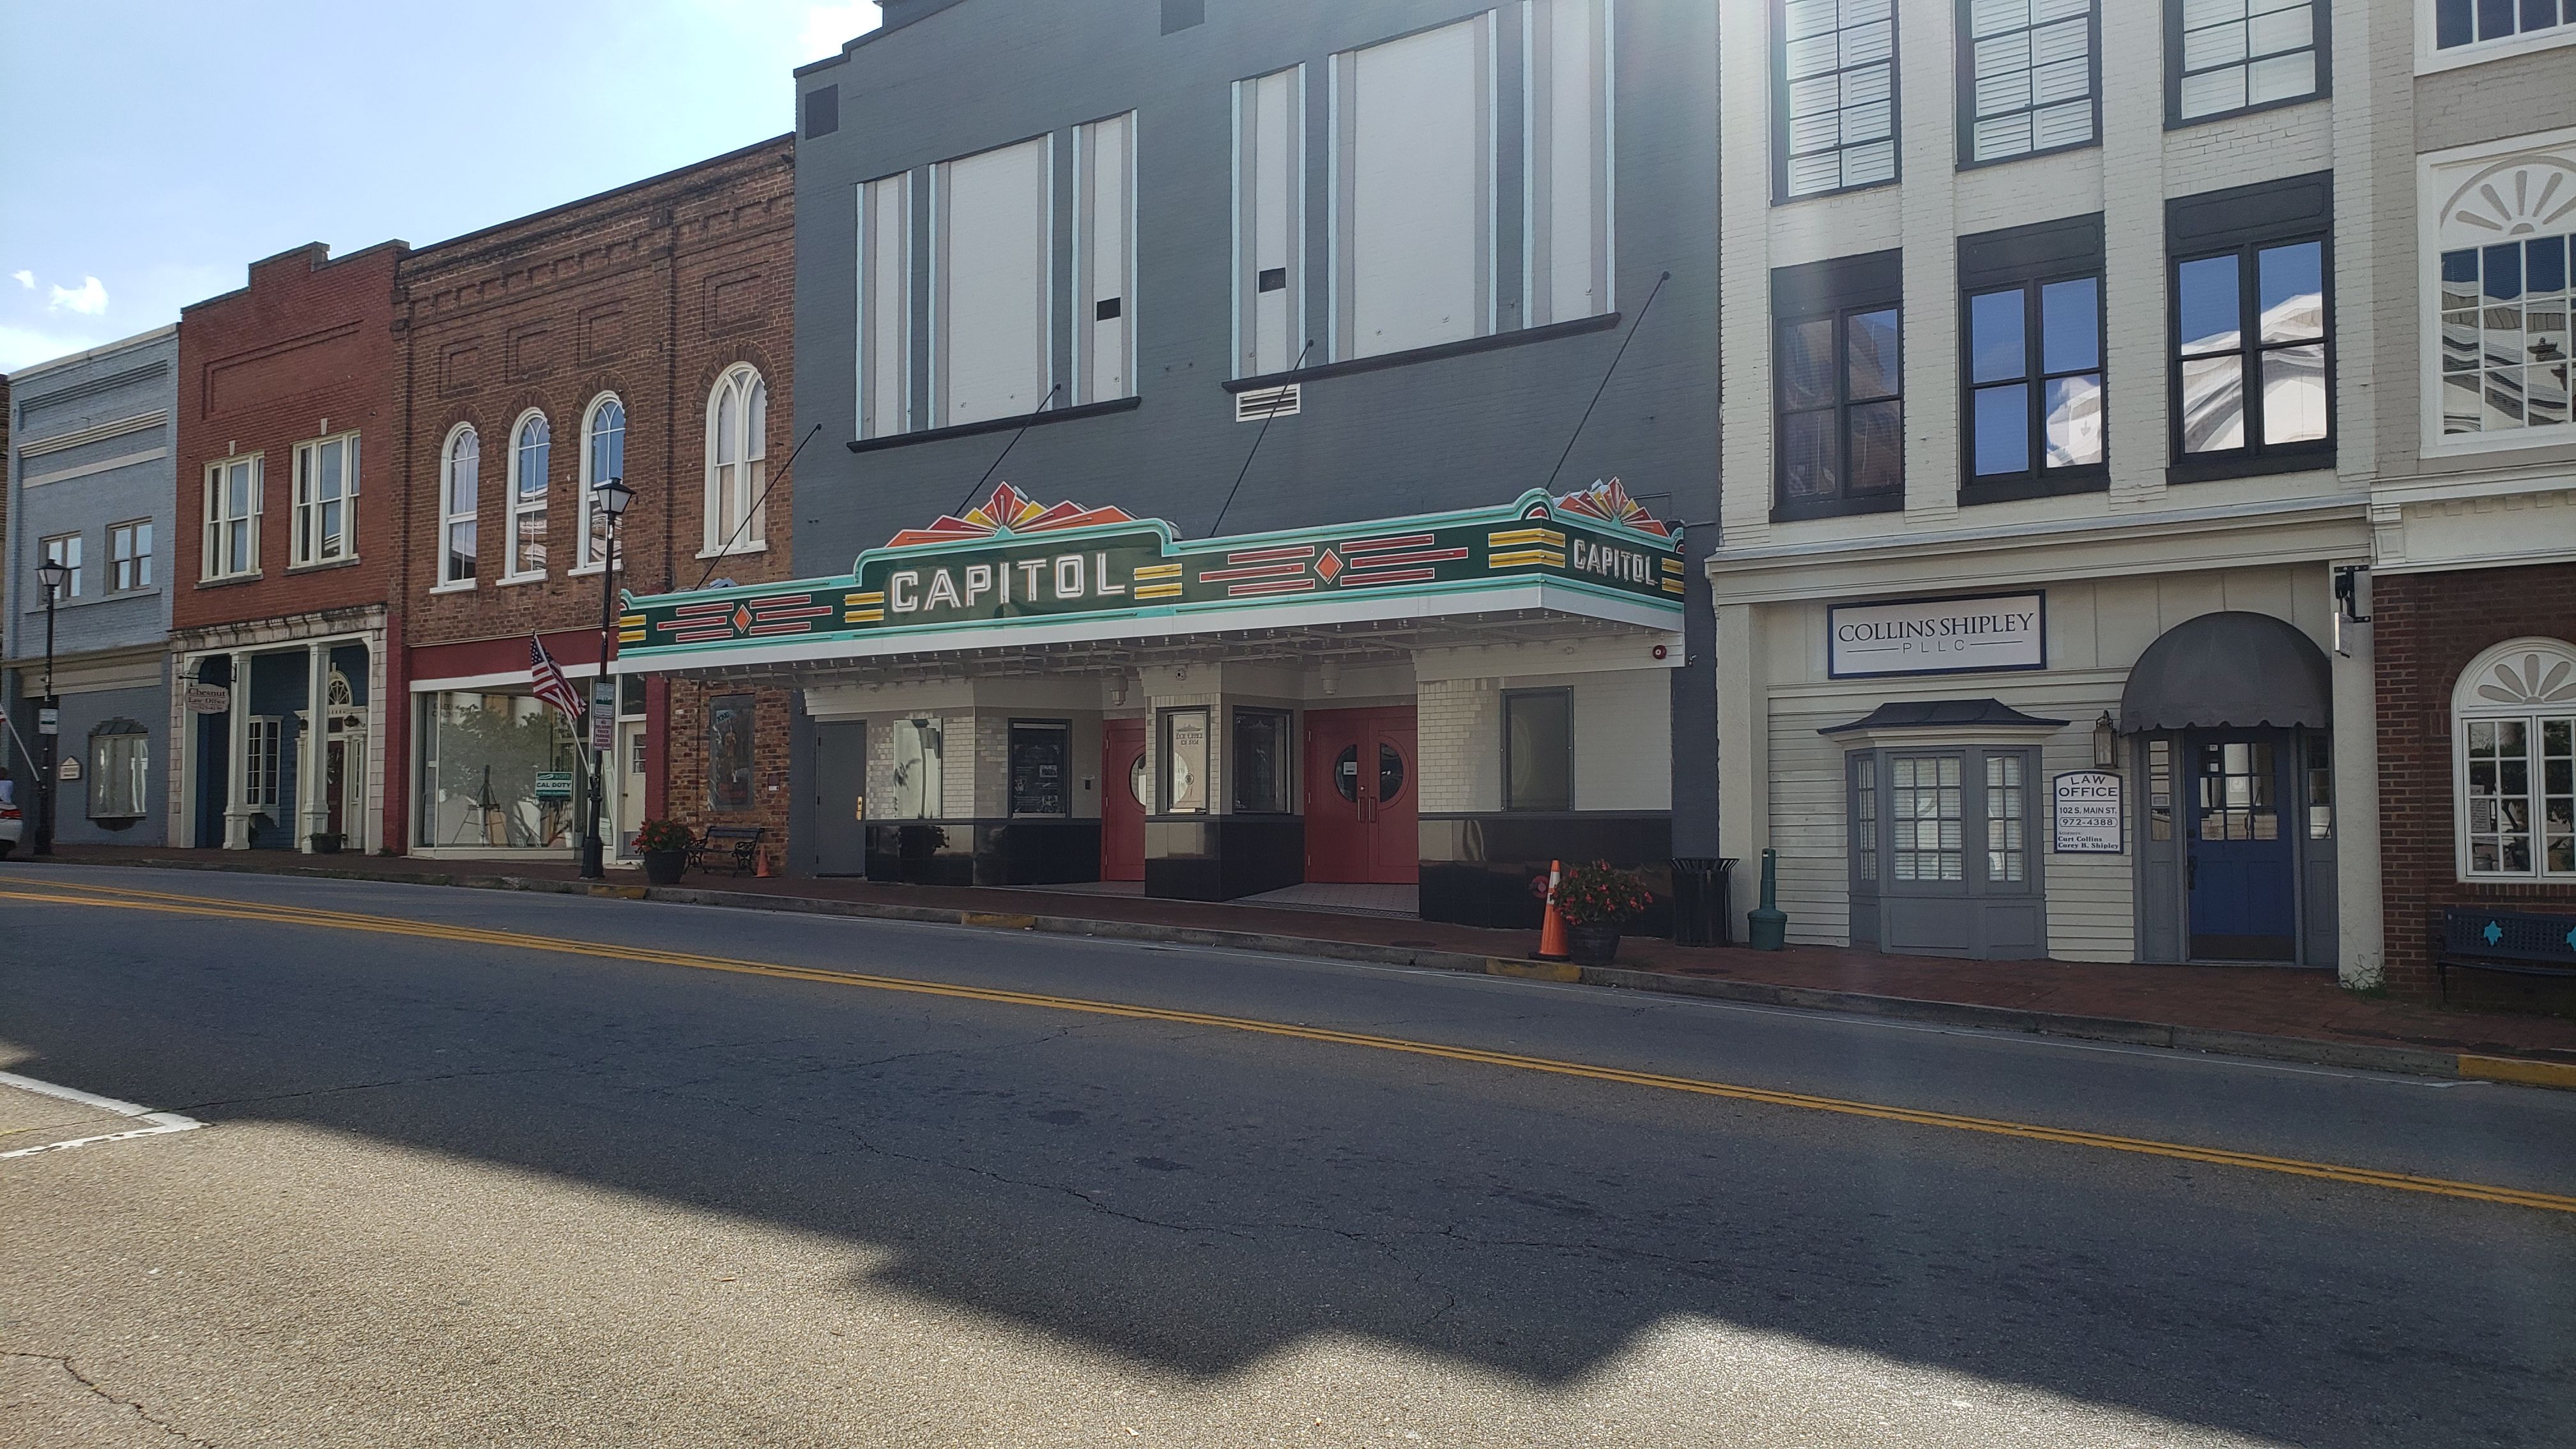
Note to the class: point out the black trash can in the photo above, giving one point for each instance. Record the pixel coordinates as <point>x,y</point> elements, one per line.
<point>1699,900</point>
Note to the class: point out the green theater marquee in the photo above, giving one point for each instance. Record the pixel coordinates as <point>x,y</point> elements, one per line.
<point>1014,566</point>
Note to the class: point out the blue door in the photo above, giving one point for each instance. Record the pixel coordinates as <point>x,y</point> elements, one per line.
<point>2242,877</point>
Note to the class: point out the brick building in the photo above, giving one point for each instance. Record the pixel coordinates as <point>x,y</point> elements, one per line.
<point>641,334</point>
<point>284,576</point>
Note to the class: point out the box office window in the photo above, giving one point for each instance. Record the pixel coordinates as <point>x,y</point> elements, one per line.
<point>917,772</point>
<point>1538,749</point>
<point>2031,305</point>
<point>1838,387</point>
<point>2251,321</point>
<point>1041,751</point>
<point>1181,749</point>
<point>1260,759</point>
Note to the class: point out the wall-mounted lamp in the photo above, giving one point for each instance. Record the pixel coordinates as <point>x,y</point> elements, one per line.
<point>1330,674</point>
<point>2106,743</point>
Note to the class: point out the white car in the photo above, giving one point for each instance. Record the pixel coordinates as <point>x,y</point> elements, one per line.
<point>11,826</point>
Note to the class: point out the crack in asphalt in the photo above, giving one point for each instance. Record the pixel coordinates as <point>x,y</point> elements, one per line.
<point>64,1362</point>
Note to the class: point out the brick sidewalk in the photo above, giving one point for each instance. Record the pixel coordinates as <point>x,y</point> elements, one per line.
<point>2269,1001</point>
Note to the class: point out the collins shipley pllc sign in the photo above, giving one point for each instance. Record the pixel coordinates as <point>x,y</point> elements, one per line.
<point>1985,633</point>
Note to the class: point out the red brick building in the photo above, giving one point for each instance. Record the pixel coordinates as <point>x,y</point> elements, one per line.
<point>2475,705</point>
<point>284,566</point>
<point>641,334</point>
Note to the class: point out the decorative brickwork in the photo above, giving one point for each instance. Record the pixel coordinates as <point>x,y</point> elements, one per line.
<point>691,794</point>
<point>2427,628</point>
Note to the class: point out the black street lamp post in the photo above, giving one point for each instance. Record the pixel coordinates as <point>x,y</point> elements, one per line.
<point>613,495</point>
<point>53,574</point>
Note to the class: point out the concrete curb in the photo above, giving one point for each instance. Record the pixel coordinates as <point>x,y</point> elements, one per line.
<point>2404,1061</point>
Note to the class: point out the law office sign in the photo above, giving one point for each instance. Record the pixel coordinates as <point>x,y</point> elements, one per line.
<point>1979,634</point>
<point>2089,818</point>
<point>1015,561</point>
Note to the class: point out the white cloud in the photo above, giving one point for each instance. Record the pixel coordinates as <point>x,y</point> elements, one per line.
<point>828,27</point>
<point>24,279</point>
<point>90,300</point>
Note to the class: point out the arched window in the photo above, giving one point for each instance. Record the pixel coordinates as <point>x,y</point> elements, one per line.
<point>531,447</point>
<point>603,456</point>
<point>459,476</point>
<point>2513,725</point>
<point>737,473</point>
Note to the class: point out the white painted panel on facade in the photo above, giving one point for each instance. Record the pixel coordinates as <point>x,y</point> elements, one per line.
<point>1569,180</point>
<point>1417,148</point>
<point>1104,301</point>
<point>885,305</point>
<point>1271,175</point>
<point>992,285</point>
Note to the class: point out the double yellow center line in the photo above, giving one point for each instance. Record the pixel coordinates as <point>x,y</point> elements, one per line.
<point>119,898</point>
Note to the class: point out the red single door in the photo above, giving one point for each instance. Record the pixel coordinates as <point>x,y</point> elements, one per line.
<point>1360,797</point>
<point>1122,799</point>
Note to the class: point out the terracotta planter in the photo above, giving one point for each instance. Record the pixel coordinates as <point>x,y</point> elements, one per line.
<point>663,867</point>
<point>1592,945</point>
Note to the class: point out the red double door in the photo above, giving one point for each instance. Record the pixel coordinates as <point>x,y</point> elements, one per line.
<point>1360,787</point>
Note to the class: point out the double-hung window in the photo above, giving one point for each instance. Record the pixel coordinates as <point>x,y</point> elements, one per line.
<point>326,501</point>
<point>129,552</point>
<point>2514,731</point>
<point>1834,80</point>
<point>737,461</point>
<point>2226,56</point>
<point>261,761</point>
<point>531,450</point>
<point>232,518</point>
<point>2034,417</point>
<point>1104,259</point>
<point>885,306</point>
<point>992,274</point>
<point>1838,387</point>
<point>65,549</point>
<point>603,456</point>
<point>1413,187</point>
<point>1270,222</point>
<point>2252,348</point>
<point>2458,24</point>
<point>1568,274</point>
<point>2030,77</point>
<point>460,476</point>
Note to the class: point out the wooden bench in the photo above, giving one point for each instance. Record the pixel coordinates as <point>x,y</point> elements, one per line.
<point>2513,942</point>
<point>730,847</point>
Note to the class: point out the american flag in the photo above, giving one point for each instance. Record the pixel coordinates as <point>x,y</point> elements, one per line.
<point>549,681</point>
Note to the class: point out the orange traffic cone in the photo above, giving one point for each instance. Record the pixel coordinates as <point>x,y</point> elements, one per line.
<point>761,871</point>
<point>1551,934</point>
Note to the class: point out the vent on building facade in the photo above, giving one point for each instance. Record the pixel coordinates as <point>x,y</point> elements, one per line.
<point>1182,14</point>
<point>1268,402</point>
<point>822,111</point>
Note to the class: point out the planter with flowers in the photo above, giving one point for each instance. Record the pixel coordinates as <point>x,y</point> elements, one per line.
<point>664,844</point>
<point>1596,900</point>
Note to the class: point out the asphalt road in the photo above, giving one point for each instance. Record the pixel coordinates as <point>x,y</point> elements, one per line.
<point>456,1189</point>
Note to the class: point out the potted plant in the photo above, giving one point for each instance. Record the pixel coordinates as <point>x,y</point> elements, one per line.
<point>664,844</point>
<point>1596,900</point>
<point>325,843</point>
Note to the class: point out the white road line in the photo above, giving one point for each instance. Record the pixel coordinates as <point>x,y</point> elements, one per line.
<point>161,1121</point>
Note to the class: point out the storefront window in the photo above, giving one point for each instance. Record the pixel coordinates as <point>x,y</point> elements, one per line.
<point>1928,807</point>
<point>1185,762</point>
<point>1260,762</point>
<point>1538,750</point>
<point>730,727</point>
<point>916,769</point>
<point>120,758</point>
<point>1039,750</point>
<point>496,772</point>
<point>2007,853</point>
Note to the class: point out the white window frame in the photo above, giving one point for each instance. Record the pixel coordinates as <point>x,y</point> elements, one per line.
<point>104,777</point>
<point>302,549</point>
<point>1249,178</point>
<point>515,506</point>
<point>2459,179</point>
<point>731,535</point>
<point>884,314</point>
<point>1098,181</point>
<point>64,548</point>
<point>134,538</point>
<point>2430,57</point>
<point>263,762</point>
<point>1340,76</point>
<point>586,506</point>
<point>2503,685</point>
<point>1539,215</point>
<point>943,278</point>
<point>216,562</point>
<point>463,444</point>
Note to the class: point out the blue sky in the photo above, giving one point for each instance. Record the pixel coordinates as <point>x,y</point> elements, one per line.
<point>153,148</point>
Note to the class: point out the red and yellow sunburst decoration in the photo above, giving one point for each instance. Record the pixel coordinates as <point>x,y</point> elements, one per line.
<point>1008,511</point>
<point>1608,501</point>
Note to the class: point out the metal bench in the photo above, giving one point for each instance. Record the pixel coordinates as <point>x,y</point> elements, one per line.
<point>730,847</point>
<point>2514,942</point>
